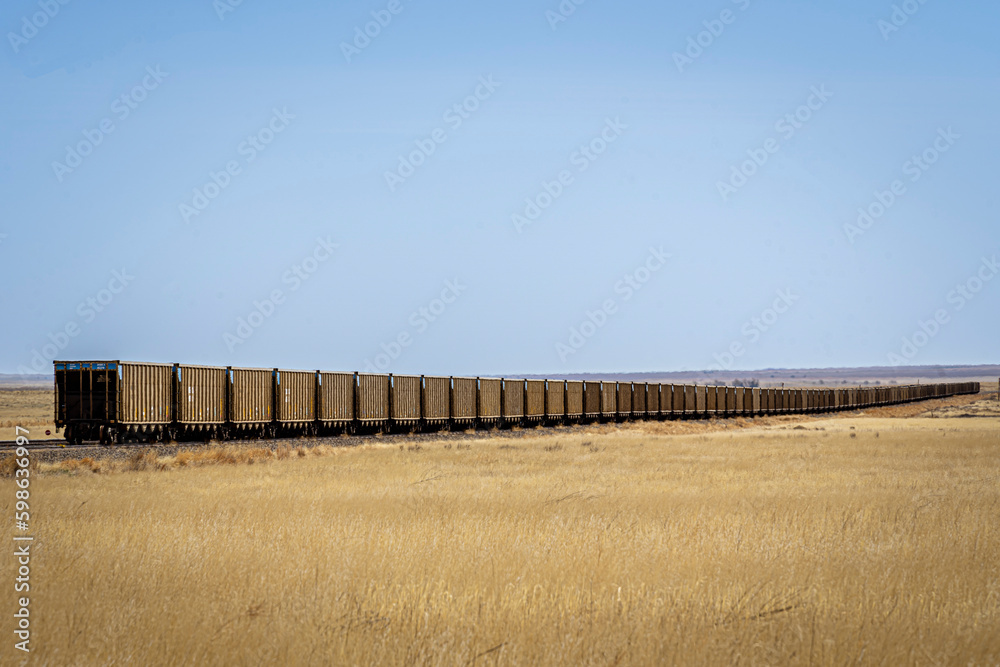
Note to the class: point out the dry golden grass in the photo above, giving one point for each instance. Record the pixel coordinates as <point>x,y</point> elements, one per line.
<point>28,407</point>
<point>832,541</point>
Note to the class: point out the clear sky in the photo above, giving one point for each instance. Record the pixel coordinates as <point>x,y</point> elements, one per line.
<point>489,188</point>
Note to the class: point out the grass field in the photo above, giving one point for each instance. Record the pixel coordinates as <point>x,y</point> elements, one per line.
<point>846,539</point>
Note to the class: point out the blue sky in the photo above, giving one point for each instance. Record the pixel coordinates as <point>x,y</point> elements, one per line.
<point>485,188</point>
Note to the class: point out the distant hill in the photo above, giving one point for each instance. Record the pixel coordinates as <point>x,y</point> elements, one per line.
<point>13,380</point>
<point>806,377</point>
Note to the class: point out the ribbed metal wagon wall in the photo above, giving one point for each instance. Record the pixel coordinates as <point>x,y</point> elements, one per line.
<point>640,393</point>
<point>624,399</point>
<point>373,398</point>
<point>464,394</point>
<point>436,407</point>
<point>295,396</point>
<point>555,399</point>
<point>574,398</point>
<point>200,394</point>
<point>405,398</point>
<point>251,396</point>
<point>609,399</point>
<point>592,399</point>
<point>653,398</point>
<point>513,400</point>
<point>534,400</point>
<point>490,399</point>
<point>336,404</point>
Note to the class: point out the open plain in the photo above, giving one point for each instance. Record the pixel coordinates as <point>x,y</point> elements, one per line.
<point>869,538</point>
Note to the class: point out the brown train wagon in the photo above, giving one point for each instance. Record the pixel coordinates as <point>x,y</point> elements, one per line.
<point>374,398</point>
<point>677,402</point>
<point>251,396</point>
<point>740,400</point>
<point>435,399</point>
<point>730,400</point>
<point>770,406</point>
<point>592,399</point>
<point>93,399</point>
<point>513,400</point>
<point>534,400</point>
<point>653,399</point>
<point>464,394</point>
<point>336,402</point>
<point>609,396</point>
<point>640,398</point>
<point>574,398</point>
<point>690,401</point>
<point>201,394</point>
<point>555,399</point>
<point>624,400</point>
<point>701,400</point>
<point>295,396</point>
<point>490,400</point>
<point>404,398</point>
<point>711,399</point>
<point>755,401</point>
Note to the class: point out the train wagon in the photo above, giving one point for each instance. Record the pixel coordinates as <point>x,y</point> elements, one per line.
<point>464,395</point>
<point>624,400</point>
<point>200,399</point>
<point>701,400</point>
<point>405,399</point>
<point>513,401</point>
<point>690,400</point>
<point>374,399</point>
<point>591,399</point>
<point>555,400</point>
<point>251,399</point>
<point>107,400</point>
<point>609,400</point>
<point>640,392</point>
<point>653,399</point>
<point>574,399</point>
<point>295,397</point>
<point>676,394</point>
<point>490,400</point>
<point>335,404</point>
<point>711,400</point>
<point>534,400</point>
<point>738,394</point>
<point>435,399</point>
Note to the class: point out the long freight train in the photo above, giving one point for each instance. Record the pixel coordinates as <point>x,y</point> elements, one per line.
<point>122,401</point>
